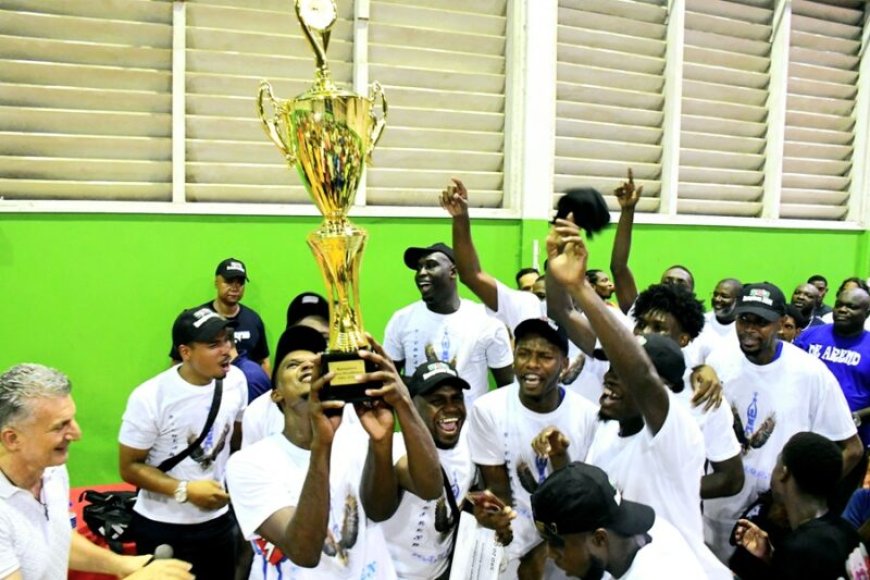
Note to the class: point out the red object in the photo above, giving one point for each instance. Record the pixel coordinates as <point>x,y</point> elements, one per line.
<point>76,507</point>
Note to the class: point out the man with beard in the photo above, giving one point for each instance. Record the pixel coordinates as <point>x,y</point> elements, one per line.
<point>420,534</point>
<point>718,324</point>
<point>775,390</point>
<point>650,444</point>
<point>844,347</point>
<point>503,425</point>
<point>444,327</point>
<point>186,505</point>
<point>591,529</point>
<point>805,298</point>
<point>602,284</point>
<point>299,495</point>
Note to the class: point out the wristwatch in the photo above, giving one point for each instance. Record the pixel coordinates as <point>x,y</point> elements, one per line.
<point>181,492</point>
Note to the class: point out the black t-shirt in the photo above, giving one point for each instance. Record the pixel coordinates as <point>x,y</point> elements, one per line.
<point>249,332</point>
<point>817,549</point>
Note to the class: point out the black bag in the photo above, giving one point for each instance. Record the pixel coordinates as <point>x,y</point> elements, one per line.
<point>108,515</point>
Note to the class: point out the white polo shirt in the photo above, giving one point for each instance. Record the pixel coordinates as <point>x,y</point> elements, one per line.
<point>35,535</point>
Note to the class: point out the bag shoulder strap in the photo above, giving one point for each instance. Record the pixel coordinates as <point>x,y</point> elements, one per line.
<point>451,499</point>
<point>168,464</point>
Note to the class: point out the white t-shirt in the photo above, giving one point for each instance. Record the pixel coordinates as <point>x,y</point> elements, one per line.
<point>418,534</point>
<point>714,336</point>
<point>501,431</point>
<point>717,425</point>
<point>262,418</point>
<point>165,414</point>
<point>514,306</point>
<point>590,382</point>
<point>269,475</point>
<point>666,556</point>
<point>662,471</point>
<point>35,535</point>
<point>469,339</point>
<point>794,393</point>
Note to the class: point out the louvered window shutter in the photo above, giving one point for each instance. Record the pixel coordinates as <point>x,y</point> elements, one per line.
<point>442,66</point>
<point>820,109</point>
<point>231,46</point>
<point>85,105</point>
<point>726,64</point>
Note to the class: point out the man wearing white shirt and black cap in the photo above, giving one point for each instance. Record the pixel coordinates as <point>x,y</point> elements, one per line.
<point>444,327</point>
<point>522,432</point>
<point>176,435</point>
<point>420,534</point>
<point>592,530</point>
<point>775,390</point>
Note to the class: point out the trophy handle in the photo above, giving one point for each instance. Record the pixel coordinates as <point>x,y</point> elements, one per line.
<point>270,124</point>
<point>379,123</point>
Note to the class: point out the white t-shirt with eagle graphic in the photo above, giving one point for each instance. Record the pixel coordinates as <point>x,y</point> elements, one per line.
<point>166,414</point>
<point>420,534</point>
<point>468,338</point>
<point>501,431</point>
<point>793,393</point>
<point>268,476</point>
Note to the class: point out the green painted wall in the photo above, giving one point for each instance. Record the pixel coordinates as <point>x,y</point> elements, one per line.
<point>95,295</point>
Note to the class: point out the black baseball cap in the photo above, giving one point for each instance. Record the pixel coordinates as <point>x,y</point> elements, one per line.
<point>307,304</point>
<point>432,375</point>
<point>665,354</point>
<point>763,299</point>
<point>197,325</point>
<point>579,498</point>
<point>231,269</point>
<point>413,255</point>
<point>545,328</point>
<point>588,206</point>
<point>296,338</point>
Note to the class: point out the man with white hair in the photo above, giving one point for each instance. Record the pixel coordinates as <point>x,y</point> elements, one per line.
<point>37,426</point>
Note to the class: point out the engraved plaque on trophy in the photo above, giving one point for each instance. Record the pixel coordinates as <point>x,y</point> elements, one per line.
<point>327,134</point>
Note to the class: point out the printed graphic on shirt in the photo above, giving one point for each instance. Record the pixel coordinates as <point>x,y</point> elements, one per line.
<point>206,452</point>
<point>749,437</point>
<point>570,374</point>
<point>433,356</point>
<point>833,354</point>
<point>338,547</point>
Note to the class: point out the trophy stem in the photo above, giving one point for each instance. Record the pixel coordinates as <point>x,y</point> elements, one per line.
<point>338,246</point>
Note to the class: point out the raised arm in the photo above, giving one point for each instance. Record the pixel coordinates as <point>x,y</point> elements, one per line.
<point>567,259</point>
<point>626,288</point>
<point>454,199</point>
<point>560,309</point>
<point>300,531</point>
<point>419,471</point>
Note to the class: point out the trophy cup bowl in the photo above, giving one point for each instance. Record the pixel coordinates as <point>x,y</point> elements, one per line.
<point>328,134</point>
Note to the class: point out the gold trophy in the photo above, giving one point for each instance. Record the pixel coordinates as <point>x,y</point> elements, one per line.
<point>328,135</point>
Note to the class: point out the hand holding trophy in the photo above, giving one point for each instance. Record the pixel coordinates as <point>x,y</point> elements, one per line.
<point>328,134</point>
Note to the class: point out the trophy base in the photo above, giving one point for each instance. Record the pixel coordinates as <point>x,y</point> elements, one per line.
<point>344,387</point>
